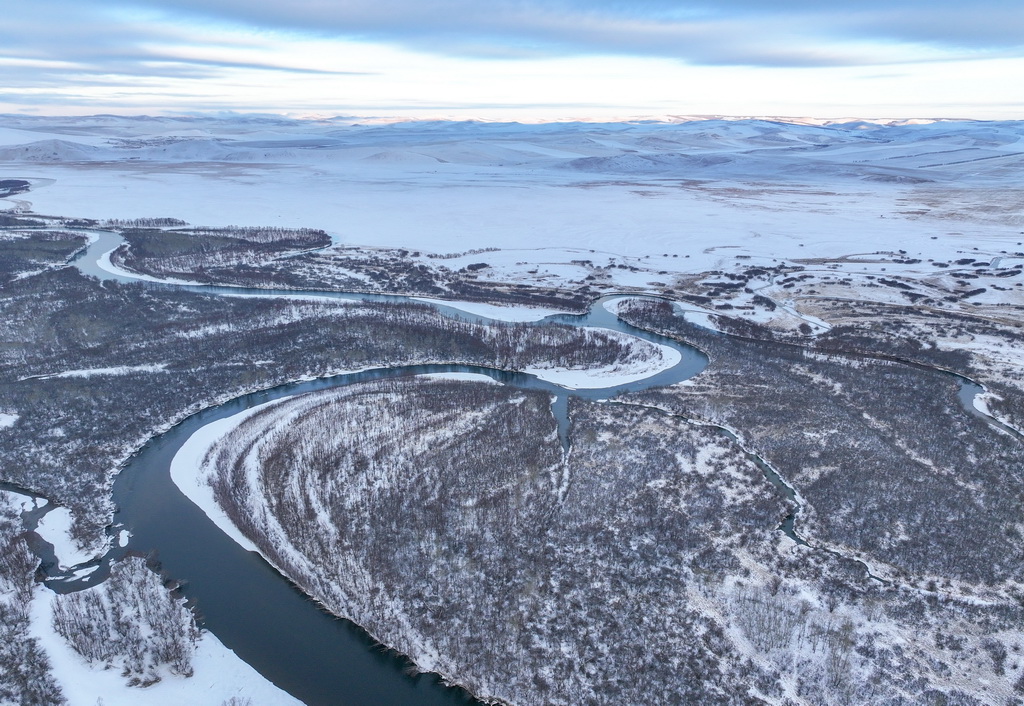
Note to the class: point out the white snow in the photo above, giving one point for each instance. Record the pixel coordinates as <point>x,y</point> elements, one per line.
<point>90,372</point>
<point>610,376</point>
<point>496,312</point>
<point>17,501</point>
<point>705,318</point>
<point>525,187</point>
<point>981,402</point>
<point>699,317</point>
<point>219,674</point>
<point>81,573</point>
<point>473,377</point>
<point>642,207</point>
<point>55,528</point>
<point>104,263</point>
<point>7,419</point>
<point>185,471</point>
<point>297,297</point>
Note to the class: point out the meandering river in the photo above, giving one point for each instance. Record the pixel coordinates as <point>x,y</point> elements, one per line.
<point>248,605</point>
<point>240,598</point>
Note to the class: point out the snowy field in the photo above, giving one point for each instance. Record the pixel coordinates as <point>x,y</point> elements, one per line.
<point>681,197</point>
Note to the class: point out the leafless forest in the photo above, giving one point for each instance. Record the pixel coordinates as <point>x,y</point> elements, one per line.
<point>645,564</point>
<point>94,369</point>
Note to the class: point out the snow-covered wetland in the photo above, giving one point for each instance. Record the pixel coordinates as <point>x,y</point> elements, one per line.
<point>822,515</point>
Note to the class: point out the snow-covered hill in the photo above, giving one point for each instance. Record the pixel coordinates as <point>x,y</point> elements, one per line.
<point>765,188</point>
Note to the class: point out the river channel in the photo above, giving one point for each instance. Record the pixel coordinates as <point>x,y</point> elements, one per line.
<point>239,597</point>
<point>246,603</point>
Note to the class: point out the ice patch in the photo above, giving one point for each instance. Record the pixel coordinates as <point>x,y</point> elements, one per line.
<point>473,377</point>
<point>79,574</point>
<point>497,312</point>
<point>55,528</point>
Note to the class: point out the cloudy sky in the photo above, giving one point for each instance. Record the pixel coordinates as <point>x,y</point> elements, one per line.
<point>515,59</point>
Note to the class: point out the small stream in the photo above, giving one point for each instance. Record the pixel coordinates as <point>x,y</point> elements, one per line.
<point>969,390</point>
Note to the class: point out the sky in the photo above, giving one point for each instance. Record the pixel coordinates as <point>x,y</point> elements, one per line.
<point>515,59</point>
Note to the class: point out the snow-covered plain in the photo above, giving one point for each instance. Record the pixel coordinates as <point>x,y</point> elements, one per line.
<point>684,197</point>
<point>653,207</point>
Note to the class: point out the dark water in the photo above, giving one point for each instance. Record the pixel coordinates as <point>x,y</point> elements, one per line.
<point>240,598</point>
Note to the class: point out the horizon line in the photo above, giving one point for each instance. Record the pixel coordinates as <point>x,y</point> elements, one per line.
<point>667,118</point>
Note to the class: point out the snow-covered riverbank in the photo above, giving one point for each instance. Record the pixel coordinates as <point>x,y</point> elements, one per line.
<point>219,675</point>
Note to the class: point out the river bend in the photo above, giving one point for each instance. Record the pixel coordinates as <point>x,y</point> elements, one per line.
<point>247,604</point>
<point>239,597</point>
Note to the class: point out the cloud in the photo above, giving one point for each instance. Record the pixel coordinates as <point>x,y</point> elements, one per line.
<point>130,37</point>
<point>740,32</point>
<point>91,42</point>
<point>257,54</point>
